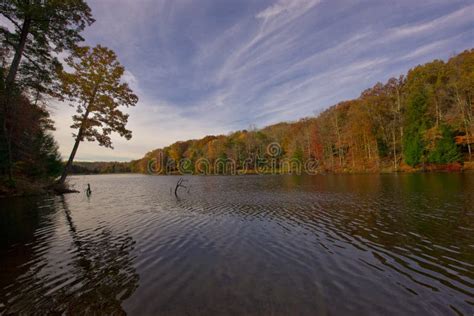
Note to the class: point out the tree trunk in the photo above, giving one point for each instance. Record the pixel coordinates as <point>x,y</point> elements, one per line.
<point>465,123</point>
<point>394,149</point>
<point>78,138</point>
<point>9,84</point>
<point>399,119</point>
<point>437,114</point>
<point>468,140</point>
<point>74,149</point>
<point>8,144</point>
<point>25,29</point>
<point>339,148</point>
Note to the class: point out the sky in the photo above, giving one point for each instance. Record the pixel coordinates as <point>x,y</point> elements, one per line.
<point>208,67</point>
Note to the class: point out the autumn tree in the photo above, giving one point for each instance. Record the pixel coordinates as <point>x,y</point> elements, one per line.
<point>96,89</point>
<point>394,89</point>
<point>34,33</point>
<point>461,85</point>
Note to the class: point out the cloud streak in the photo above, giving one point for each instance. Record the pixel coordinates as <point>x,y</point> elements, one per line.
<point>286,6</point>
<point>210,66</point>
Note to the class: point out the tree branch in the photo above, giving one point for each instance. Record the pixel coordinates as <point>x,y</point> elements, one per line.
<point>12,21</point>
<point>179,184</point>
<point>33,62</point>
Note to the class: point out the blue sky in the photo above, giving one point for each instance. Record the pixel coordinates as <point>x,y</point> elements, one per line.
<point>205,67</point>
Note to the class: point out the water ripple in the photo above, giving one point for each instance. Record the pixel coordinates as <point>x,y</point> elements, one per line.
<point>244,245</point>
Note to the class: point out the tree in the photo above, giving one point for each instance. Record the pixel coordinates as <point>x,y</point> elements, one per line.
<point>461,84</point>
<point>39,31</point>
<point>445,150</point>
<point>35,153</point>
<point>394,88</point>
<point>413,146</point>
<point>96,90</point>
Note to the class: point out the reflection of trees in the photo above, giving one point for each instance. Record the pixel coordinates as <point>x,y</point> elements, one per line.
<point>99,278</point>
<point>17,237</point>
<point>106,269</point>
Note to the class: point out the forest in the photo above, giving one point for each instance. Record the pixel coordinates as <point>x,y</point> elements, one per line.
<point>44,62</point>
<point>420,121</point>
<point>99,167</point>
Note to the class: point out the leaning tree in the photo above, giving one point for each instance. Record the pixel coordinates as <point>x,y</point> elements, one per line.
<point>32,36</point>
<point>96,89</point>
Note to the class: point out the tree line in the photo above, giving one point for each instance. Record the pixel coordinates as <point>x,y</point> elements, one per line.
<point>99,167</point>
<point>34,35</point>
<point>420,121</point>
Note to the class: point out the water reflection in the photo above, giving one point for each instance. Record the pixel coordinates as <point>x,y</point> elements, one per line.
<point>357,244</point>
<point>415,229</point>
<point>19,220</point>
<point>93,273</point>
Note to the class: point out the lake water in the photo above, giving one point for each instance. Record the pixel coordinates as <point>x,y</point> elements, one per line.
<point>253,245</point>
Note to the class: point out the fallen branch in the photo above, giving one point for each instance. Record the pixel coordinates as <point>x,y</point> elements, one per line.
<point>179,184</point>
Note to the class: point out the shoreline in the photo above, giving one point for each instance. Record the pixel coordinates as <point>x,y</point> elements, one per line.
<point>30,189</point>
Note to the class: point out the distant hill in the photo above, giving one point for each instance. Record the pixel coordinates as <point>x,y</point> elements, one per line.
<point>100,167</point>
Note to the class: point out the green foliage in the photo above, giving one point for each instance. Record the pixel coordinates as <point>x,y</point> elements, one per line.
<point>298,154</point>
<point>415,126</point>
<point>382,148</point>
<point>45,160</point>
<point>445,150</point>
<point>34,151</point>
<point>41,30</point>
<point>413,148</point>
<point>50,156</point>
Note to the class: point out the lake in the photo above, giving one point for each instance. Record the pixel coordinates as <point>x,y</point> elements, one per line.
<point>253,245</point>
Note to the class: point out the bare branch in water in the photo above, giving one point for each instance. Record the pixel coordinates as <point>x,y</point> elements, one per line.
<point>179,184</point>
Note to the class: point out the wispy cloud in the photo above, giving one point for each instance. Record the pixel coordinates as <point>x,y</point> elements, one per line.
<point>445,21</point>
<point>211,66</point>
<point>286,7</point>
<point>432,48</point>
